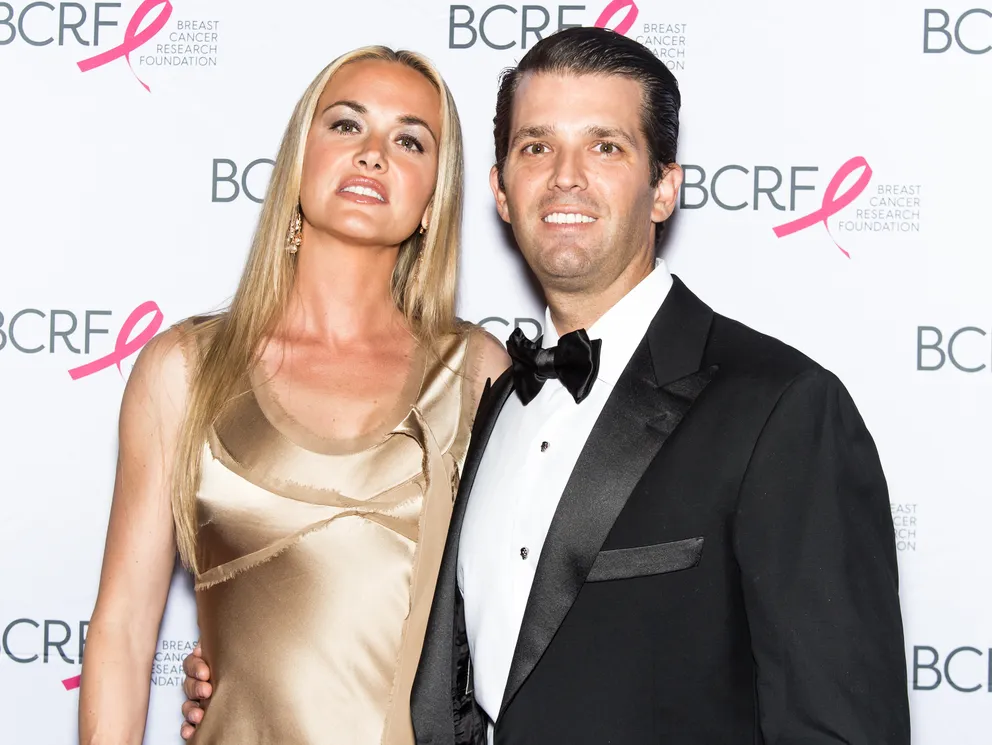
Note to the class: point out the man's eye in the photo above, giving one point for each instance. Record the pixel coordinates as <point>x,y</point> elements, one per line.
<point>536,149</point>
<point>609,148</point>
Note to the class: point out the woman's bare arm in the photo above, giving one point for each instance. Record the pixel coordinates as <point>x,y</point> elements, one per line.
<point>140,551</point>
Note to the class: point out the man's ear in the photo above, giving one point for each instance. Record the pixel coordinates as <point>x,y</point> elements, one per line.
<point>666,192</point>
<point>499,194</point>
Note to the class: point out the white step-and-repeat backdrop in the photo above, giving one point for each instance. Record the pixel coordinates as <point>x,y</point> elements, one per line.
<point>837,159</point>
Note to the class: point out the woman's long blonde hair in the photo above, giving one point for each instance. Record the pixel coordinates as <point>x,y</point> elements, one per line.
<point>232,342</point>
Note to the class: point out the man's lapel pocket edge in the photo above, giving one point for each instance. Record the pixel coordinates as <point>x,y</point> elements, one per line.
<point>643,561</point>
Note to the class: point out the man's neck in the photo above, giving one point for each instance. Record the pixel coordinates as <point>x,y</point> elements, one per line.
<point>580,309</point>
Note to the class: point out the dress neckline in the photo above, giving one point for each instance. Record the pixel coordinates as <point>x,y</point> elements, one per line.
<point>276,416</point>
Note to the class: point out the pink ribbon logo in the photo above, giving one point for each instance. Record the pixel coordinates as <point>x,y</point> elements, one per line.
<point>133,38</point>
<point>72,684</point>
<point>626,23</point>
<point>832,203</point>
<point>125,346</point>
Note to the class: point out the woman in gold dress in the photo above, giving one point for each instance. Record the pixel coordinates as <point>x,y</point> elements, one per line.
<point>303,448</point>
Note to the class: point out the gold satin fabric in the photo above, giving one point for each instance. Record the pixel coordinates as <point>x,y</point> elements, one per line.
<point>319,559</point>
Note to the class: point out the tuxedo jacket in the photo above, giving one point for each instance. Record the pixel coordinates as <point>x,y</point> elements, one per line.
<point>720,570</point>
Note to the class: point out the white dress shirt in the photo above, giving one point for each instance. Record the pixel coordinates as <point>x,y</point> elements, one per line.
<point>523,473</point>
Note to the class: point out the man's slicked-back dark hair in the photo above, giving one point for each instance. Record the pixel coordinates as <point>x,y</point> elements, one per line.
<point>597,51</point>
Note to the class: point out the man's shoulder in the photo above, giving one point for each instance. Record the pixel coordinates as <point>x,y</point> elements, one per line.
<point>742,351</point>
<point>760,373</point>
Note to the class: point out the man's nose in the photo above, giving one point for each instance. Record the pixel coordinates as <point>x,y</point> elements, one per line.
<point>569,172</point>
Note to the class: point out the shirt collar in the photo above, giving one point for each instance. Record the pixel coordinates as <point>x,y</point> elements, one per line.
<point>624,325</point>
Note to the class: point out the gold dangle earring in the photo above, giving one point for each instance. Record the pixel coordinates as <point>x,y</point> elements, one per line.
<point>415,274</point>
<point>295,236</point>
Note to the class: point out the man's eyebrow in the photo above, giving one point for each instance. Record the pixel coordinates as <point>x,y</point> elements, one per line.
<point>598,131</point>
<point>536,132</point>
<point>611,133</point>
<point>353,105</point>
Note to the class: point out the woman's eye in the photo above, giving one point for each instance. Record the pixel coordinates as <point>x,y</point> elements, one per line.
<point>411,143</point>
<point>346,126</point>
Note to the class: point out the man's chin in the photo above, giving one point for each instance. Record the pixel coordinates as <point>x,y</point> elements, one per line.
<point>568,271</point>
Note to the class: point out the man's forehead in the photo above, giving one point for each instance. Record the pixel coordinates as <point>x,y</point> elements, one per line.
<point>549,98</point>
<point>569,78</point>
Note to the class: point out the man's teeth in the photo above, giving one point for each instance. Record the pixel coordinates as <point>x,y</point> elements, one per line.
<point>364,191</point>
<point>567,218</point>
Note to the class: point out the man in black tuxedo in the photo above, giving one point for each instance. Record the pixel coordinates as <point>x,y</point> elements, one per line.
<point>670,529</point>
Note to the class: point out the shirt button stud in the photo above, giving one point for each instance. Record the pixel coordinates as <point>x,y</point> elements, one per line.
<point>545,445</point>
<point>524,552</point>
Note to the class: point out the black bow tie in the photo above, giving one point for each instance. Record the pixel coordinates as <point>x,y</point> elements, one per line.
<point>575,362</point>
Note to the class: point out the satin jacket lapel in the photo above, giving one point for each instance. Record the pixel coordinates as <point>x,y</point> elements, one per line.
<point>648,402</point>
<point>490,406</point>
<point>435,686</point>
